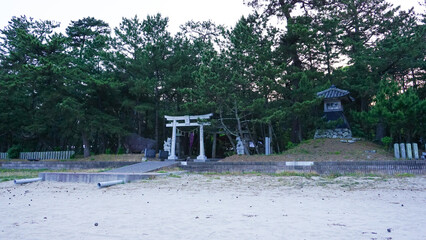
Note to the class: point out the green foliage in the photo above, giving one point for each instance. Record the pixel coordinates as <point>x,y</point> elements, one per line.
<point>387,141</point>
<point>88,87</point>
<point>13,152</point>
<point>290,145</point>
<point>121,151</point>
<point>323,124</point>
<point>108,151</point>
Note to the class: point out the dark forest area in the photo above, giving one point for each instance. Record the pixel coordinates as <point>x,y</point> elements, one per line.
<point>93,85</point>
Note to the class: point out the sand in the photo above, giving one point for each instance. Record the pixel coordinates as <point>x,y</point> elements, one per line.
<point>218,207</point>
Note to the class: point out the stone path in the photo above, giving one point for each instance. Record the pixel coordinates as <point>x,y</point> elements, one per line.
<point>144,167</point>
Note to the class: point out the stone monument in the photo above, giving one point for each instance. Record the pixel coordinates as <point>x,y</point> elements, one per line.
<point>240,146</point>
<point>333,111</point>
<point>167,145</point>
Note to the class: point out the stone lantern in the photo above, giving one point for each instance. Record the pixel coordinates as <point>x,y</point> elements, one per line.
<point>333,111</point>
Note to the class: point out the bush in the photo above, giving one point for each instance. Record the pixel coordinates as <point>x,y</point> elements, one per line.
<point>290,145</point>
<point>120,151</point>
<point>14,151</point>
<point>387,141</point>
<point>108,151</point>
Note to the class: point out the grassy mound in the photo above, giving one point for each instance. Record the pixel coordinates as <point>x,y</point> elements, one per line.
<point>323,150</point>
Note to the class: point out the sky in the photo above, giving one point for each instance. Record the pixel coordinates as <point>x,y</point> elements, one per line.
<point>226,12</point>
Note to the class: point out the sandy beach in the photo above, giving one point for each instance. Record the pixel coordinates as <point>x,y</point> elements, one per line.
<point>196,206</point>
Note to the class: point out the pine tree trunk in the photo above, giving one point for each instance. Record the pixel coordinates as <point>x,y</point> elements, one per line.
<point>380,131</point>
<point>214,146</point>
<point>296,131</point>
<point>119,143</point>
<point>240,132</point>
<point>86,145</point>
<point>157,125</point>
<point>364,104</point>
<point>270,137</point>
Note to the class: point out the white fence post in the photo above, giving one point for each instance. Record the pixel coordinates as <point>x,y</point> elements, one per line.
<point>416,151</point>
<point>267,146</point>
<point>402,149</point>
<point>409,151</point>
<point>396,150</point>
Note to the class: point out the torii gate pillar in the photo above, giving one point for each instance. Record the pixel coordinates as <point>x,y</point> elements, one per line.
<point>185,121</point>
<point>202,157</point>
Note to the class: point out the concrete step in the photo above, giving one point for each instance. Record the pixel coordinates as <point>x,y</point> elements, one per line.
<point>143,167</point>
<point>96,177</point>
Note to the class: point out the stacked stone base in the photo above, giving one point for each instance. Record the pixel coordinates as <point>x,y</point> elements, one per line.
<point>333,133</point>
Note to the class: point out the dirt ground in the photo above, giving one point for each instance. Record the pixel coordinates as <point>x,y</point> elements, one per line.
<point>323,150</point>
<point>219,207</point>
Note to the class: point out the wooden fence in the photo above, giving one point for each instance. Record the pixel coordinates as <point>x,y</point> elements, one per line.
<point>46,155</point>
<point>4,155</point>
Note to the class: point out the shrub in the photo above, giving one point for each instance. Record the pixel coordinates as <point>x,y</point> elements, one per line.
<point>387,141</point>
<point>14,151</point>
<point>120,150</point>
<point>290,145</point>
<point>108,151</point>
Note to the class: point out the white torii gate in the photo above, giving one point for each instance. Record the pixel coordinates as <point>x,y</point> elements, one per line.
<point>185,121</point>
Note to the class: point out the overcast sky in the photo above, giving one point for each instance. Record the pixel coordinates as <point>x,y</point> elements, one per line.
<point>225,12</point>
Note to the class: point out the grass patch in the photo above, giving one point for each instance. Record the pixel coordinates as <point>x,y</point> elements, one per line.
<point>252,173</point>
<point>11,174</point>
<point>161,171</point>
<point>403,175</point>
<point>304,151</point>
<point>215,173</point>
<point>105,170</point>
<point>367,175</point>
<point>174,176</point>
<point>294,174</point>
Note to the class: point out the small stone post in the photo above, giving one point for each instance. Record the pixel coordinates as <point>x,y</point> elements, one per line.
<point>409,152</point>
<point>267,146</point>
<point>402,149</point>
<point>396,150</point>
<point>416,150</point>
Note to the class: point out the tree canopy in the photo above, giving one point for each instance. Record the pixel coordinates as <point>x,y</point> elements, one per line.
<point>90,87</point>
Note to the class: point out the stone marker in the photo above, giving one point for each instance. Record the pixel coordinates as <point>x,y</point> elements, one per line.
<point>167,145</point>
<point>163,155</point>
<point>416,150</point>
<point>396,150</point>
<point>409,152</point>
<point>402,149</point>
<point>267,146</point>
<point>150,153</point>
<point>240,146</point>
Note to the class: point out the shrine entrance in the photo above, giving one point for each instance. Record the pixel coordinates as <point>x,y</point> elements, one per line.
<point>187,121</point>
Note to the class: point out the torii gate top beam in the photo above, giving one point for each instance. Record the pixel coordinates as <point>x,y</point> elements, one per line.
<point>187,120</point>
<point>191,117</point>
